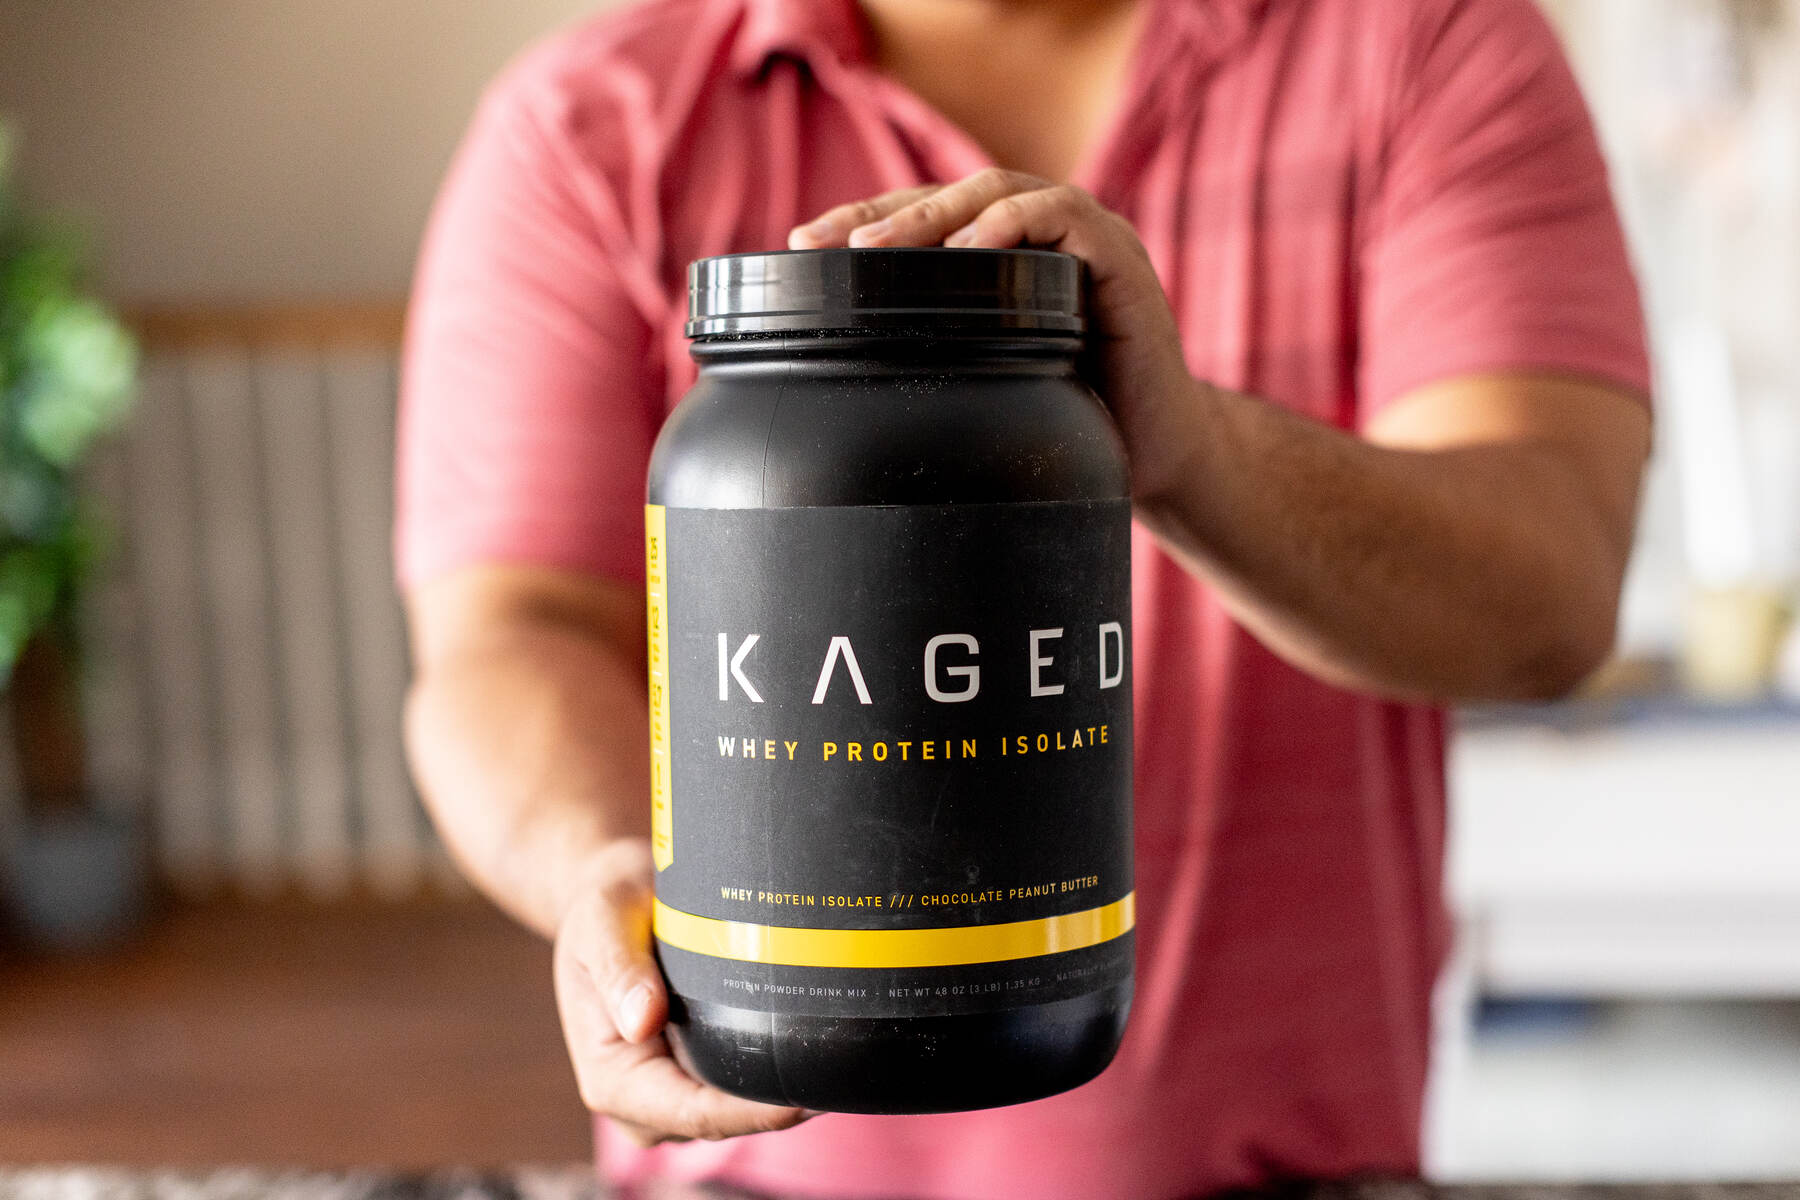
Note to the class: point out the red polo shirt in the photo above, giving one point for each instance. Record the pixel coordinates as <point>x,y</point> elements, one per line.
<point>1345,199</point>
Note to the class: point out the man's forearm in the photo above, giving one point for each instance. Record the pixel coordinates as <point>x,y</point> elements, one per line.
<point>531,747</point>
<point>1480,572</point>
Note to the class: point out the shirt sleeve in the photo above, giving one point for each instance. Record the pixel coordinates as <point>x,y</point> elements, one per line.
<point>1494,243</point>
<point>531,391</point>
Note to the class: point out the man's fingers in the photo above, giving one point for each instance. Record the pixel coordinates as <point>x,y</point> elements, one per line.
<point>1070,220</point>
<point>832,228</point>
<point>647,1091</point>
<point>930,219</point>
<point>1056,216</point>
<point>614,1006</point>
<point>645,1136</point>
<point>607,944</point>
<point>639,1085</point>
<point>623,966</point>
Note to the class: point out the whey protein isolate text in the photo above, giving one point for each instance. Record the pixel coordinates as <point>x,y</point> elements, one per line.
<point>889,539</point>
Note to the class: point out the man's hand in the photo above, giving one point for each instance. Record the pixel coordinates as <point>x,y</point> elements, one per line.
<point>1470,546</point>
<point>614,1005</point>
<point>528,732</point>
<point>1137,345</point>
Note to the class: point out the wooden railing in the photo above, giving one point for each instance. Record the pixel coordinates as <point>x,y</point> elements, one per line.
<point>163,327</point>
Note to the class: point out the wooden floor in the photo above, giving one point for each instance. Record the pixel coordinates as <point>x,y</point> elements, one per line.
<point>399,1036</point>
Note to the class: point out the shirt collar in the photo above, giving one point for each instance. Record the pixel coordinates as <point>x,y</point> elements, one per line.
<point>803,29</point>
<point>833,29</point>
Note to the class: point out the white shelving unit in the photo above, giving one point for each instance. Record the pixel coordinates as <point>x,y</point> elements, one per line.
<point>1650,858</point>
<point>1648,871</point>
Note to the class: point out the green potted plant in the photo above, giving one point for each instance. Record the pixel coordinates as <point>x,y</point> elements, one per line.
<point>67,376</point>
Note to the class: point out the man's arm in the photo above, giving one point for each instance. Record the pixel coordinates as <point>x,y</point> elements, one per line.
<point>527,728</point>
<point>1471,548</point>
<point>528,732</point>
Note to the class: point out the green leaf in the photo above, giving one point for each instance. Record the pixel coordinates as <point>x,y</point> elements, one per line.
<point>30,579</point>
<point>77,380</point>
<point>67,375</point>
<point>41,268</point>
<point>35,499</point>
<point>15,632</point>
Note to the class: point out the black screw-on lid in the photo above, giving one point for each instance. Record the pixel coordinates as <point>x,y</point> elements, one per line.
<point>1024,291</point>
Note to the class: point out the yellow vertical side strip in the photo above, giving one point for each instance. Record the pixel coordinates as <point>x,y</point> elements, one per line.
<point>656,587</point>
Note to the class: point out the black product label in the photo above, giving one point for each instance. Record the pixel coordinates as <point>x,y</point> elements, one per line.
<point>891,755</point>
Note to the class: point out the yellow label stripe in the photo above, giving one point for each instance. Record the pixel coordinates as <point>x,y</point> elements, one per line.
<point>788,946</point>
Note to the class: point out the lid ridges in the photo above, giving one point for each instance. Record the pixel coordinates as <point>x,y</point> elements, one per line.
<point>1016,291</point>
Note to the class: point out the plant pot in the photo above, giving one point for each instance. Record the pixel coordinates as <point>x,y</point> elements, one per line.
<point>76,880</point>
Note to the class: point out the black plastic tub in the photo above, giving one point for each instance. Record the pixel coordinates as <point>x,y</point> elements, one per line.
<point>889,542</point>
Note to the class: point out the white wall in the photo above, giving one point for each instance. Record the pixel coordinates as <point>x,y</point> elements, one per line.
<point>252,149</point>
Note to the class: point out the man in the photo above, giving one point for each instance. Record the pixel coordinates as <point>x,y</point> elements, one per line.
<point>1364,316</point>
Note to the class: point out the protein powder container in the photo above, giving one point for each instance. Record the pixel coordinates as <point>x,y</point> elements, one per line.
<point>889,537</point>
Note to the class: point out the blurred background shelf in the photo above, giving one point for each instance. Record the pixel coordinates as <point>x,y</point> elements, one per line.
<point>1645,1090</point>
<point>1649,854</point>
<point>1625,1000</point>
